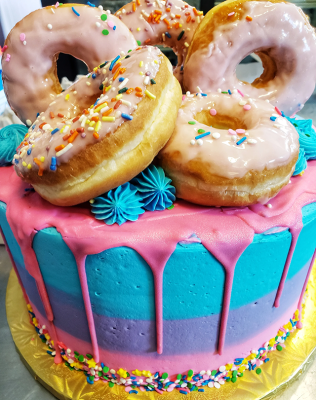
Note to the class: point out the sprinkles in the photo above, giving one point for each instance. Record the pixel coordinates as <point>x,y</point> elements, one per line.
<point>241,140</point>
<point>75,11</point>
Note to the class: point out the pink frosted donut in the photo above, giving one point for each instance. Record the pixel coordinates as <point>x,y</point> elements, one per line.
<point>278,32</point>
<point>168,23</point>
<point>29,61</point>
<point>227,151</point>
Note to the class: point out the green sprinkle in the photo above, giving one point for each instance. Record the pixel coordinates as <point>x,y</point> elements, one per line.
<point>81,358</point>
<point>228,379</point>
<point>153,82</point>
<point>225,92</point>
<point>91,377</point>
<point>129,51</point>
<point>76,354</point>
<point>258,371</point>
<point>151,386</point>
<point>60,4</point>
<point>89,356</point>
<point>133,386</point>
<point>234,379</point>
<point>214,372</point>
<point>139,42</point>
<point>164,375</point>
<point>127,56</point>
<point>280,348</point>
<point>101,86</point>
<point>67,364</point>
<point>180,383</point>
<point>71,368</point>
<point>179,376</point>
<point>234,374</point>
<point>241,374</point>
<point>99,373</point>
<point>104,17</point>
<point>104,64</point>
<point>190,373</point>
<point>105,32</point>
<point>123,90</point>
<point>190,385</point>
<point>180,36</point>
<point>201,131</point>
<point>111,384</point>
<point>195,388</point>
<point>106,369</point>
<point>170,208</point>
<point>191,122</point>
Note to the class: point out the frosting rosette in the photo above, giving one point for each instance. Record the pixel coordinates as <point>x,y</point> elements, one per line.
<point>10,138</point>
<point>118,205</point>
<point>155,189</point>
<point>301,163</point>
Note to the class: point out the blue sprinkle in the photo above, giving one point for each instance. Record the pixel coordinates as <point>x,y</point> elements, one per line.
<point>113,376</point>
<point>181,69</point>
<point>266,360</point>
<point>113,62</point>
<point>54,161</point>
<point>49,352</point>
<point>229,91</point>
<point>202,135</point>
<point>273,118</point>
<point>126,116</point>
<point>90,4</point>
<point>239,359</point>
<point>241,140</point>
<point>29,152</point>
<point>156,374</point>
<point>168,35</point>
<point>37,115</point>
<point>54,131</point>
<point>133,391</point>
<point>133,377</point>
<point>218,373</point>
<point>102,365</point>
<point>94,76</point>
<point>75,11</point>
<point>114,27</point>
<point>183,392</point>
<point>204,94</point>
<point>121,79</point>
<point>16,161</point>
<point>283,115</point>
<point>88,380</point>
<point>53,167</point>
<point>33,127</point>
<point>201,390</point>
<point>261,348</point>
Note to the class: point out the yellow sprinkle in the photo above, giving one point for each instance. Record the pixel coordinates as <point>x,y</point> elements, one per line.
<point>138,29</point>
<point>67,97</point>
<point>29,166</point>
<point>137,372</point>
<point>302,173</point>
<point>108,88</point>
<point>98,126</point>
<point>241,369</point>
<point>180,25</point>
<point>62,129</point>
<point>27,136</point>
<point>92,123</point>
<point>155,61</point>
<point>33,145</point>
<point>91,363</point>
<point>95,69</point>
<point>108,119</point>
<point>228,366</point>
<point>122,373</point>
<point>88,83</point>
<point>186,44</point>
<point>150,95</point>
<point>119,96</point>
<point>141,63</point>
<point>88,121</point>
<point>141,73</point>
<point>47,336</point>
<point>42,159</point>
<point>24,163</point>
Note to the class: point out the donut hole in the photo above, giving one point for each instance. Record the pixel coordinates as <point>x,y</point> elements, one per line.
<point>220,121</point>
<point>69,67</point>
<point>249,69</point>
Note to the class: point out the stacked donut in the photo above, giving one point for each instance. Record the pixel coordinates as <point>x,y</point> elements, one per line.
<point>227,146</point>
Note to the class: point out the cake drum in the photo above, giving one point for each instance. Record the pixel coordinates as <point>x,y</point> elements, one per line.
<point>277,375</point>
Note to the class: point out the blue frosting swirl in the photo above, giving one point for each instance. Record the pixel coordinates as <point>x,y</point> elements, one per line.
<point>10,138</point>
<point>307,139</point>
<point>155,189</point>
<point>118,205</point>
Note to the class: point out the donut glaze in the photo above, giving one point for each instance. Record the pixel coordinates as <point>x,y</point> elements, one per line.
<point>248,155</point>
<point>278,32</point>
<point>80,146</point>
<point>30,76</point>
<point>162,23</point>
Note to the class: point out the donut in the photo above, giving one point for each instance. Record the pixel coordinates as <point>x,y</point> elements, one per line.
<point>226,151</point>
<point>277,31</point>
<point>103,130</point>
<point>168,23</point>
<point>33,45</point>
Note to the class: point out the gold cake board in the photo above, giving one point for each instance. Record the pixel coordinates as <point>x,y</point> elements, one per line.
<point>277,375</point>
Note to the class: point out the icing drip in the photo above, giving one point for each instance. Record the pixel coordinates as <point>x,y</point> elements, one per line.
<point>226,233</point>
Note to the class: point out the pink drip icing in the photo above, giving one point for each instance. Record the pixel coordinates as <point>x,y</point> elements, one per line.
<point>226,233</point>
<point>300,302</point>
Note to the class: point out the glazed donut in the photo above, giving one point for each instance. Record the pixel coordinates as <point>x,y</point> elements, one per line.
<point>32,48</point>
<point>168,23</point>
<point>76,151</point>
<point>228,152</point>
<point>278,32</point>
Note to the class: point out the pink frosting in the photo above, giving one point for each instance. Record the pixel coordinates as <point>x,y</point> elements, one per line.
<point>279,29</point>
<point>269,144</point>
<point>155,33</point>
<point>72,102</point>
<point>28,81</point>
<point>226,233</point>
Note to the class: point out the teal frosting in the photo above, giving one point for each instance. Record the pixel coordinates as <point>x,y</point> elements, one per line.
<point>10,138</point>
<point>155,189</point>
<point>307,139</point>
<point>118,205</point>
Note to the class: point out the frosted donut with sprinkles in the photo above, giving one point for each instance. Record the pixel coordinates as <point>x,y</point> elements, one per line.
<point>227,150</point>
<point>102,131</point>
<point>158,22</point>
<point>33,45</point>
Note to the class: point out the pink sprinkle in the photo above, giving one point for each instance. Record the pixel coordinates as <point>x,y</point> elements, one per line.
<point>57,4</point>
<point>158,390</point>
<point>8,58</point>
<point>277,110</point>
<point>240,131</point>
<point>128,388</point>
<point>183,97</point>
<point>205,377</point>
<point>247,107</point>
<point>213,111</point>
<point>4,48</point>
<point>231,14</point>
<point>169,389</point>
<point>241,94</point>
<point>110,24</point>
<point>141,388</point>
<point>22,37</point>
<point>231,131</point>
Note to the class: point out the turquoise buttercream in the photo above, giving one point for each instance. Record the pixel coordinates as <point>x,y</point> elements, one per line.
<point>301,163</point>
<point>118,205</point>
<point>10,138</point>
<point>155,188</point>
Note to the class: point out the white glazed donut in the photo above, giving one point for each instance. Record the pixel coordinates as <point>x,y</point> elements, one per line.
<point>226,151</point>
<point>278,32</point>
<point>158,22</point>
<point>32,48</point>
